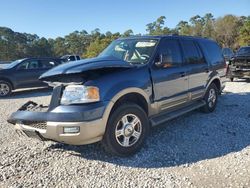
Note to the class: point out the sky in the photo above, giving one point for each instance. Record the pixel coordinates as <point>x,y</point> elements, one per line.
<point>54,18</point>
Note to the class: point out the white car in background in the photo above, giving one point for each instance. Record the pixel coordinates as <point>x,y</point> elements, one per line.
<point>67,58</point>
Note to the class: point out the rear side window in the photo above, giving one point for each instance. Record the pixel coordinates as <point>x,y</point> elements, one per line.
<point>48,63</point>
<point>72,58</point>
<point>192,53</point>
<point>77,57</point>
<point>170,50</point>
<point>213,51</point>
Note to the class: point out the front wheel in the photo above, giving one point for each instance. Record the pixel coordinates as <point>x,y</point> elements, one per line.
<point>5,88</point>
<point>126,130</point>
<point>210,98</point>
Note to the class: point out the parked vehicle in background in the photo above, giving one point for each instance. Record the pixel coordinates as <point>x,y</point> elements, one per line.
<point>67,58</point>
<point>227,53</point>
<point>24,73</point>
<point>135,83</point>
<point>239,65</point>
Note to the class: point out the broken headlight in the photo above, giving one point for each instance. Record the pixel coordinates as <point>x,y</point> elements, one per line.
<point>76,94</point>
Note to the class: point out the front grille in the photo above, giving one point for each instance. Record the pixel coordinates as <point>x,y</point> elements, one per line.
<point>36,124</point>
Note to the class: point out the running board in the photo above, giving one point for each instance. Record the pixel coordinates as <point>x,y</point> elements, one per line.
<point>163,117</point>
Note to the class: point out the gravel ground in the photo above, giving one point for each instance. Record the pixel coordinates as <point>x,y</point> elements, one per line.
<point>195,150</point>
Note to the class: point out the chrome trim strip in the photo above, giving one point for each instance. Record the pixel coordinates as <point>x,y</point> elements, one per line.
<point>174,101</point>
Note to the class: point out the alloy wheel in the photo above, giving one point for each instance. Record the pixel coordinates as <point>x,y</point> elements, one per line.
<point>4,89</point>
<point>212,97</point>
<point>128,130</point>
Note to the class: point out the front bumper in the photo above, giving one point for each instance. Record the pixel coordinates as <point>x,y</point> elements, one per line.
<point>38,121</point>
<point>239,72</point>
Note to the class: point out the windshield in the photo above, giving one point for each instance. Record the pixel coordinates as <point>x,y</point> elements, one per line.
<point>244,50</point>
<point>12,64</point>
<point>133,51</point>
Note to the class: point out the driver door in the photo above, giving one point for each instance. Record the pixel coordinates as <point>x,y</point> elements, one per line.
<point>170,81</point>
<point>27,74</point>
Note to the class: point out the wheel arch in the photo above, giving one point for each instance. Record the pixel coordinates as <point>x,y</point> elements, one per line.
<point>216,81</point>
<point>134,95</point>
<point>7,80</point>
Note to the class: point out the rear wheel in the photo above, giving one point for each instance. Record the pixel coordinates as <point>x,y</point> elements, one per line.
<point>210,98</point>
<point>126,130</point>
<point>231,79</point>
<point>5,88</point>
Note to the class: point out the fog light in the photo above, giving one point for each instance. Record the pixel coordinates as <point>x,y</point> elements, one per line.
<point>71,130</point>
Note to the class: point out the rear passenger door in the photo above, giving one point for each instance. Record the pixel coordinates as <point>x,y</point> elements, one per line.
<point>170,81</point>
<point>197,68</point>
<point>45,65</point>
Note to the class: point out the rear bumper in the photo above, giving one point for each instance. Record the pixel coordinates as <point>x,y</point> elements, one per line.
<point>49,125</point>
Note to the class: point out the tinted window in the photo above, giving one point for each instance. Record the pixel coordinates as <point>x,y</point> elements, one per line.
<point>77,57</point>
<point>212,51</point>
<point>48,63</point>
<point>72,58</point>
<point>170,51</point>
<point>33,64</point>
<point>24,65</point>
<point>192,53</point>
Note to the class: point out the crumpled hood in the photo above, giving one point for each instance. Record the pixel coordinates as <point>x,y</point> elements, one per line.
<point>85,65</point>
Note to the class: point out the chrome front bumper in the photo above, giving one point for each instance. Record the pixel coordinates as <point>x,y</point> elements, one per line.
<point>36,121</point>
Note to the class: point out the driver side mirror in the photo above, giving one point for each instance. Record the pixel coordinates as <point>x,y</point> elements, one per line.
<point>164,61</point>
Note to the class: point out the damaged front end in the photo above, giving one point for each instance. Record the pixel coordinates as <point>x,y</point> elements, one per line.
<point>239,67</point>
<point>75,113</point>
<point>72,124</point>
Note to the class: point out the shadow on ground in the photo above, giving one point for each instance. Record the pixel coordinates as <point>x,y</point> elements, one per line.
<point>187,139</point>
<point>27,93</point>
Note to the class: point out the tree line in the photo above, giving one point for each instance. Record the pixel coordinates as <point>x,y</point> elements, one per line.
<point>229,31</point>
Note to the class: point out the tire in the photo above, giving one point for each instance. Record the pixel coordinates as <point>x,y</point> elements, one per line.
<point>5,88</point>
<point>210,98</point>
<point>121,137</point>
<point>231,79</point>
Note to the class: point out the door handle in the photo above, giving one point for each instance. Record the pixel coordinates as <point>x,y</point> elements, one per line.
<point>183,74</point>
<point>207,70</point>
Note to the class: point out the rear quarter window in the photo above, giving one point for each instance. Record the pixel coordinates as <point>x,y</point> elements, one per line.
<point>48,63</point>
<point>212,51</point>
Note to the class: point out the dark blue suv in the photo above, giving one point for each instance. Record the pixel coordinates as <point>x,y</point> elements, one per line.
<point>24,73</point>
<point>134,84</point>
